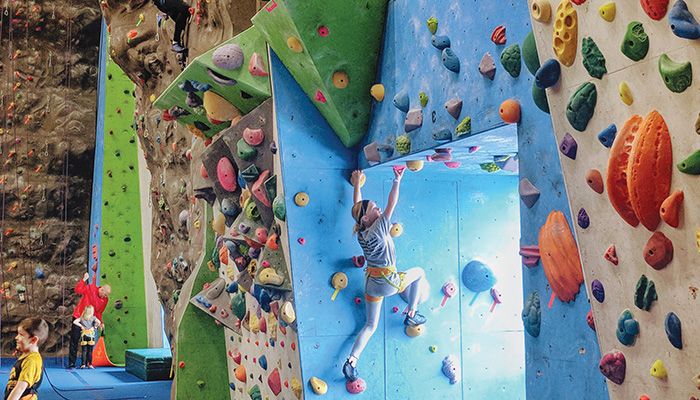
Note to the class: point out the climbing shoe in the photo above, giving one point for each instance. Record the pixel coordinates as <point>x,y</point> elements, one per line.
<point>416,320</point>
<point>349,371</point>
<point>178,48</point>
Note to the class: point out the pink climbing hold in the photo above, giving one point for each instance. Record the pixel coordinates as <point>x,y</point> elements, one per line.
<point>394,309</point>
<point>253,136</point>
<point>320,97</point>
<point>358,261</point>
<point>473,149</point>
<point>226,174</point>
<point>261,235</point>
<point>301,241</point>
<point>203,172</point>
<point>452,164</point>
<point>273,381</point>
<point>531,255</point>
<point>356,386</point>
<point>449,289</point>
<point>323,31</point>
<point>256,67</point>
<point>259,189</point>
<point>578,2</point>
<point>358,300</point>
<point>399,168</point>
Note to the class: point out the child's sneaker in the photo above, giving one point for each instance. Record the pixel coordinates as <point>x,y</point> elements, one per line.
<point>82,367</point>
<point>178,48</point>
<point>416,320</point>
<point>349,371</point>
<point>91,366</point>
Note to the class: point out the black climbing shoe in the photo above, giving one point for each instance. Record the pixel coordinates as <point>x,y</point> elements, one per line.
<point>416,320</point>
<point>178,48</point>
<point>349,371</point>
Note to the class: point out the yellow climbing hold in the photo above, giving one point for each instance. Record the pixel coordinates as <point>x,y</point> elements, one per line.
<point>414,165</point>
<point>218,108</point>
<point>269,276</point>
<point>296,387</point>
<point>607,11</point>
<point>565,33</point>
<point>288,314</point>
<point>340,79</point>
<point>625,93</point>
<point>318,385</point>
<point>377,91</point>
<point>152,98</point>
<point>541,11</point>
<point>219,223</point>
<point>415,331</point>
<point>294,44</point>
<point>396,230</point>
<point>301,199</point>
<point>697,239</point>
<point>339,281</point>
<point>254,323</point>
<point>658,370</point>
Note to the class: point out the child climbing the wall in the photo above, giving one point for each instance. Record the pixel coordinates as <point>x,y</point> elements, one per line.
<point>372,227</point>
<point>88,324</point>
<point>179,11</point>
<point>26,375</point>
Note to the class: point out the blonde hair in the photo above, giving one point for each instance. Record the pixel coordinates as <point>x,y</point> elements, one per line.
<point>88,312</point>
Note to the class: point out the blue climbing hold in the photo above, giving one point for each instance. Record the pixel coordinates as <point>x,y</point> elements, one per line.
<point>232,385</point>
<point>672,326</point>
<point>401,101</point>
<point>627,328</point>
<point>548,74</point>
<point>201,126</point>
<point>607,136</point>
<point>263,297</point>
<point>598,290</point>
<point>683,23</point>
<point>190,86</point>
<point>441,42</point>
<point>450,60</point>
<point>39,273</point>
<point>232,287</point>
<point>442,134</point>
<point>263,362</point>
<point>477,276</point>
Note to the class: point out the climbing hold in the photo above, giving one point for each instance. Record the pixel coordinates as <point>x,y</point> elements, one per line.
<point>625,93</point>
<point>402,101</point>
<point>340,79</point>
<point>598,290</point>
<point>414,165</point>
<point>477,276</point>
<point>339,281</point>
<point>589,320</point>
<point>423,98</point>
<point>396,230</point>
<point>294,44</point>
<point>635,44</point>
<point>318,385</point>
<point>287,312</point>
<point>253,137</point>
<point>432,349</point>
<point>655,9</point>
<point>607,135</point>
<point>568,146</point>
<point>218,108</point>
<point>226,174</point>
<point>432,23</point>
<point>531,314</point>
<point>39,273</point>
<point>415,330</point>
<point>377,91</point>
<point>529,51</point>
<point>301,199</point>
<point>627,328</point>
<point>245,151</point>
<point>414,120</point>
<point>510,111</point>
<point>530,255</point>
<point>228,57</point>
<point>690,165</point>
<point>565,33</point>
<point>238,305</point>
<point>200,383</point>
<point>616,181</point>
<point>301,241</point>
<point>454,107</point>
<point>548,74</point>
<point>607,11</point>
<point>541,11</point>
<point>658,252</point>
<point>498,36</point>
<point>487,66</point>
<point>658,370</point>
<point>274,382</point>
<point>356,387</point>
<point>595,180</point>
<point>645,293</point>
<point>583,220</point>
<point>539,96</point>
<point>240,373</point>
<point>464,127</point>
<point>269,276</point>
<point>452,164</point>
<point>671,208</point>
<point>442,134</point>
<point>683,23</point>
<point>560,257</point>
<point>451,369</point>
<point>676,76</point>
<point>529,193</point>
<point>510,59</point>
<point>403,144</point>
<point>611,254</point>
<point>581,106</point>
<point>450,60</point>
<point>593,59</point>
<point>256,67</point>
<point>440,42</point>
<point>613,366</point>
<point>672,326</point>
<point>650,160</point>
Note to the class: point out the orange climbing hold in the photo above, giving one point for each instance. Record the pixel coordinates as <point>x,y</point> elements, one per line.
<point>649,170</point>
<point>240,373</point>
<point>223,255</point>
<point>510,111</point>
<point>99,355</point>
<point>616,181</point>
<point>671,208</point>
<point>560,257</point>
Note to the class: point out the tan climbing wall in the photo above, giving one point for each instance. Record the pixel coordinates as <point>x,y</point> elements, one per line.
<point>676,284</point>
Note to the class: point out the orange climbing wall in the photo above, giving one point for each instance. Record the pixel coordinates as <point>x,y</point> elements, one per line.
<point>677,283</point>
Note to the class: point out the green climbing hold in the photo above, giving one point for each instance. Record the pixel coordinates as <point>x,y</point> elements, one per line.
<point>251,211</point>
<point>635,44</point>
<point>245,151</point>
<point>423,99</point>
<point>676,76</point>
<point>432,25</point>
<point>593,59</point>
<point>540,98</point>
<point>690,165</point>
<point>581,106</point>
<point>403,144</point>
<point>215,257</point>
<point>532,60</point>
<point>510,59</point>
<point>279,208</point>
<point>489,167</point>
<point>464,127</point>
<point>645,293</point>
<point>254,393</point>
<point>200,383</point>
<point>238,305</point>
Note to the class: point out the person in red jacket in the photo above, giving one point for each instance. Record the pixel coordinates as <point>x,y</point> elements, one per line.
<point>93,295</point>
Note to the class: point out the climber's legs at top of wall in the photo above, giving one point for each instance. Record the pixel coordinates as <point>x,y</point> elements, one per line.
<point>179,11</point>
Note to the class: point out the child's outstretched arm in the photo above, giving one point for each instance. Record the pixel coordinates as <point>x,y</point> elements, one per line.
<point>393,194</point>
<point>357,176</point>
<point>19,388</point>
<point>77,322</point>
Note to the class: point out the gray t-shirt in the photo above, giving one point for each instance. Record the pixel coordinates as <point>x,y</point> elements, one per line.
<point>377,244</point>
<point>88,323</point>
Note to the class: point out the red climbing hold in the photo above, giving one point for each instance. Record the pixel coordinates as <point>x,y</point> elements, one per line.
<point>355,387</point>
<point>578,2</point>
<point>499,35</point>
<point>531,255</point>
<point>273,381</point>
<point>590,320</point>
<point>256,67</point>
<point>181,364</point>
<point>659,251</point>
<point>655,9</point>
<point>611,254</point>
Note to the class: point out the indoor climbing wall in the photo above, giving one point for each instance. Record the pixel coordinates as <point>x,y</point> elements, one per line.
<point>451,84</point>
<point>47,102</point>
<point>623,102</point>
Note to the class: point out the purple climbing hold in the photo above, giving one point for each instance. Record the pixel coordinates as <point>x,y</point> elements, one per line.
<point>192,100</point>
<point>414,120</point>
<point>598,290</point>
<point>528,192</point>
<point>568,146</point>
<point>607,136</point>
<point>273,147</point>
<point>454,107</point>
<point>487,67</point>
<point>583,219</point>
<point>613,366</point>
<point>243,228</point>
<point>228,56</point>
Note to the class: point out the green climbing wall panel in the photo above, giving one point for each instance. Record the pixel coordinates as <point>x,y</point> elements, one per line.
<point>201,343</point>
<point>245,91</point>
<point>331,48</point>
<point>121,255</point>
